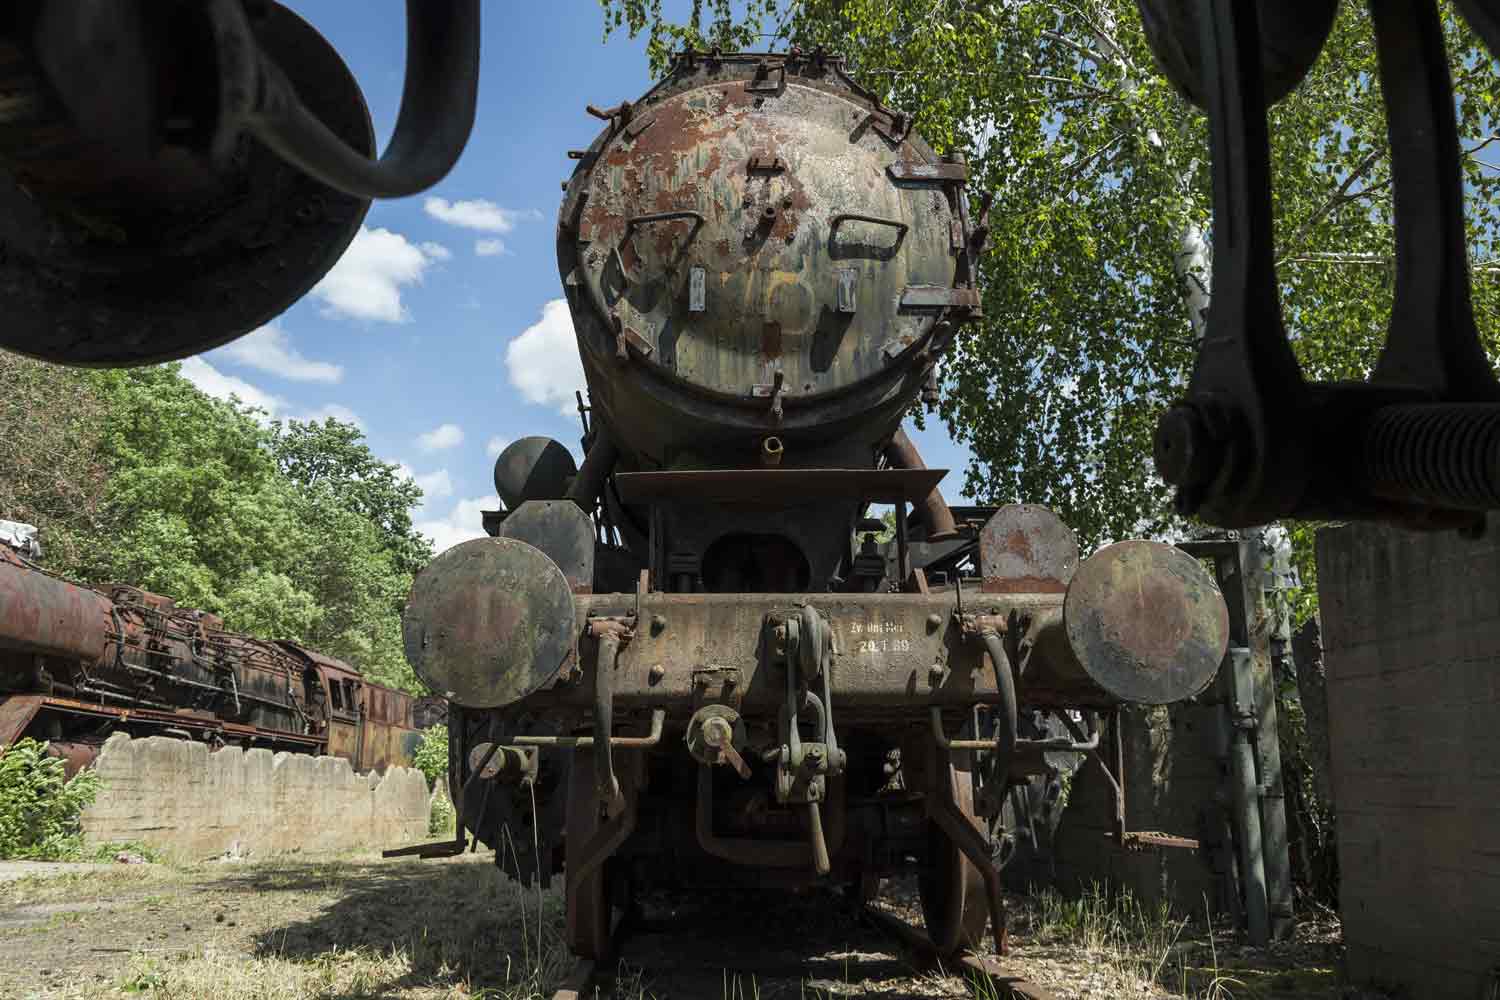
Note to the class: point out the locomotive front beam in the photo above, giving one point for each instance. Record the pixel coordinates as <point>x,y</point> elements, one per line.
<point>1139,622</point>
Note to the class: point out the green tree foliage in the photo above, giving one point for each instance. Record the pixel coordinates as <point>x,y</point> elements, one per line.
<point>39,805</point>
<point>50,469</point>
<point>431,757</point>
<point>1098,262</point>
<point>293,531</point>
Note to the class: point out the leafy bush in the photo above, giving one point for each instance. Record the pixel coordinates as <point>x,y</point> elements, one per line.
<point>431,757</point>
<point>39,806</point>
<point>440,819</point>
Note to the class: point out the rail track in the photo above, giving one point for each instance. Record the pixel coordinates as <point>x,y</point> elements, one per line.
<point>688,953</point>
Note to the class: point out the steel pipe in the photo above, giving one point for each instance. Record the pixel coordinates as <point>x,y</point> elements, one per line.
<point>901,453</point>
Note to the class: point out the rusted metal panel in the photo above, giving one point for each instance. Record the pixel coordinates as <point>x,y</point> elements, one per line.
<point>795,227</point>
<point>903,170</point>
<point>42,613</point>
<point>563,532</point>
<point>1026,549</point>
<point>343,740</point>
<point>778,485</point>
<point>939,297</point>
<point>16,713</point>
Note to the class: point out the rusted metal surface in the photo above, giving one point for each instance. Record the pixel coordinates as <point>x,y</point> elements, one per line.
<point>16,713</point>
<point>778,485</point>
<point>1147,620</point>
<point>1026,549</point>
<point>762,292</point>
<point>86,662</point>
<point>764,266</point>
<point>562,531</point>
<point>753,198</point>
<point>937,518</point>
<point>41,613</point>
<point>488,622</point>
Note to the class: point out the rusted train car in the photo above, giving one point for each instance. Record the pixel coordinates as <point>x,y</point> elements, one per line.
<point>78,664</point>
<point>688,662</point>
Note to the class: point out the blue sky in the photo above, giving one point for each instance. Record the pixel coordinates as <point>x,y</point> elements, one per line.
<point>442,332</point>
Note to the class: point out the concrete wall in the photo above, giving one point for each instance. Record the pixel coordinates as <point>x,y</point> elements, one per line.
<point>177,796</point>
<point>1172,772</point>
<point>1411,638</point>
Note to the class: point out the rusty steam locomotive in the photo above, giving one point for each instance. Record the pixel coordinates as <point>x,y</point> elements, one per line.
<point>680,664</point>
<point>78,664</point>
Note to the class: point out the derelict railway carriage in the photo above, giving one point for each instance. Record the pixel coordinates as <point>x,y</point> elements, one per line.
<point>682,652</point>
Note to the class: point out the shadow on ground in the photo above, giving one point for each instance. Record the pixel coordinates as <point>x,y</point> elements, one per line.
<point>456,921</point>
<point>462,922</point>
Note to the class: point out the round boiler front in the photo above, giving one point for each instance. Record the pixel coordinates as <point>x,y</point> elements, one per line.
<point>754,243</point>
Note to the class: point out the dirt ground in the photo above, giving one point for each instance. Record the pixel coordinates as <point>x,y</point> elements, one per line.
<point>362,927</point>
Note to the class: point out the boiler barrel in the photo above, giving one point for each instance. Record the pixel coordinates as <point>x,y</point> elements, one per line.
<point>43,614</point>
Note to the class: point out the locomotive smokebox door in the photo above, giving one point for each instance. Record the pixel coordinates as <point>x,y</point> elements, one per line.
<point>489,622</point>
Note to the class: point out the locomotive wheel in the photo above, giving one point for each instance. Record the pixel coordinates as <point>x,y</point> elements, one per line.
<point>954,907</point>
<point>589,902</point>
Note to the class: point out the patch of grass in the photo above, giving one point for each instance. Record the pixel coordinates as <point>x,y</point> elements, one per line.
<point>1114,929</point>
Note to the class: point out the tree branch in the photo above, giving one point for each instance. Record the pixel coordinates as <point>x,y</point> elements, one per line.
<point>1333,200</point>
<point>1074,83</point>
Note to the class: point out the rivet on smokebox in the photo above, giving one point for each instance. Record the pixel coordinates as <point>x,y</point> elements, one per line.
<point>657,673</point>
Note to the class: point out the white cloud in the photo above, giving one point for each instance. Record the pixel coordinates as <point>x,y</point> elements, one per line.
<point>445,436</point>
<point>435,485</point>
<point>543,361</point>
<point>476,213</point>
<point>212,382</point>
<point>495,445</point>
<point>338,412</point>
<point>489,248</point>
<point>460,524</point>
<point>366,282</point>
<point>269,349</point>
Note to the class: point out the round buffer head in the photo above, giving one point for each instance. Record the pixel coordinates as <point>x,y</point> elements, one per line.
<point>489,622</point>
<point>1146,622</point>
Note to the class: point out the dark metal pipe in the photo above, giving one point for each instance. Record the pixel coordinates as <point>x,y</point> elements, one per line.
<point>651,739</point>
<point>604,763</point>
<point>901,453</point>
<point>771,853</point>
<point>597,465</point>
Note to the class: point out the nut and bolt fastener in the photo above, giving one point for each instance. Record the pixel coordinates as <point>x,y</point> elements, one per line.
<point>657,673</point>
<point>934,622</point>
<point>658,622</point>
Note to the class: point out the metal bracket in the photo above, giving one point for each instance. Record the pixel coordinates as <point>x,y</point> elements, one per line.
<point>1253,441</point>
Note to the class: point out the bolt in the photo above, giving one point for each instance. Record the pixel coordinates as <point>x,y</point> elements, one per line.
<point>658,623</point>
<point>657,673</point>
<point>934,622</point>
